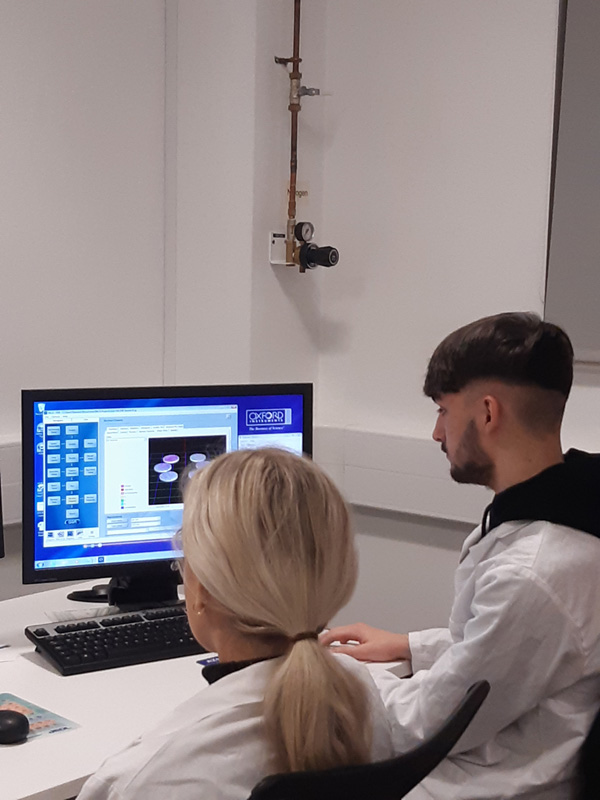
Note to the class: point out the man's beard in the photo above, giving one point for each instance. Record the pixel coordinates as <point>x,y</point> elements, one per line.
<point>475,466</point>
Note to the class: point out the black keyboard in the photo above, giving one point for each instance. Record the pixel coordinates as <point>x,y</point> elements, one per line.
<point>115,641</point>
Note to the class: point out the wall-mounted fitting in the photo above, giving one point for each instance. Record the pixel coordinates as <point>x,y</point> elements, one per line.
<point>305,91</point>
<point>311,256</point>
<point>296,90</point>
<point>305,254</point>
<point>304,231</point>
<point>299,250</point>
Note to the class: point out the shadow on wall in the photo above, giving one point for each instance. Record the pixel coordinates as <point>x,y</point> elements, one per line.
<point>325,334</point>
<point>11,584</point>
<point>406,570</point>
<point>427,531</point>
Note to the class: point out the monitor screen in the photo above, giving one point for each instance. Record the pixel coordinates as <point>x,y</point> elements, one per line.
<point>102,468</point>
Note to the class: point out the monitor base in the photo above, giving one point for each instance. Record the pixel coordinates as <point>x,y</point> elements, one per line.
<point>154,587</point>
<point>97,594</point>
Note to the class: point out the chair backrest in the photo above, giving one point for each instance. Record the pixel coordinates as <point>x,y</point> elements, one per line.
<point>383,780</point>
<point>588,773</point>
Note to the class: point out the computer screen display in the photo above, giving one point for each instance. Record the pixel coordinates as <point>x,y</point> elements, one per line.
<point>102,468</point>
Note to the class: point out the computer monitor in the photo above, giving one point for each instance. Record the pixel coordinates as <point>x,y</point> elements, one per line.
<point>102,471</point>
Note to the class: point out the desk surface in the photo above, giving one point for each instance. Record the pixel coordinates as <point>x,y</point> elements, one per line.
<point>112,707</point>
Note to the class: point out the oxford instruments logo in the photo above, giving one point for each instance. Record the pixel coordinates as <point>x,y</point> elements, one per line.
<point>269,416</point>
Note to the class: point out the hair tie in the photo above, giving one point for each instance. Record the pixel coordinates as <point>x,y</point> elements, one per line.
<point>307,635</point>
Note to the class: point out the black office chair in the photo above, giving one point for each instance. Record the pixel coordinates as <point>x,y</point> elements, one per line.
<point>588,772</point>
<point>383,780</point>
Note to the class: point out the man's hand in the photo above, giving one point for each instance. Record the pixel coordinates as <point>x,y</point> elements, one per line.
<point>373,643</point>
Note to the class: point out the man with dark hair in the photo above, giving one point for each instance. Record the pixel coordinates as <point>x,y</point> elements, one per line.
<point>526,613</point>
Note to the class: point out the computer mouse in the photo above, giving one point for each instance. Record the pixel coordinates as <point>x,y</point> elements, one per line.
<point>14,727</point>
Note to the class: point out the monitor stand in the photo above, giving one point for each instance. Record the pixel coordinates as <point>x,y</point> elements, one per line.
<point>154,586</point>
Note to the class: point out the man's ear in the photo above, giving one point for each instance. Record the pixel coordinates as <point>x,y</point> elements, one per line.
<point>491,413</point>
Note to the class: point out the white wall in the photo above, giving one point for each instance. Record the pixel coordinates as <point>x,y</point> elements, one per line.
<point>406,572</point>
<point>435,189</point>
<point>237,318</point>
<point>81,158</point>
<point>214,152</point>
<point>427,165</point>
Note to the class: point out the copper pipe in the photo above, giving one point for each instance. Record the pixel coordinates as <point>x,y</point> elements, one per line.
<point>294,108</point>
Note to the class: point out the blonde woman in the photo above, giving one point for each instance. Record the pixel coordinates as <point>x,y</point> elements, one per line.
<point>269,560</point>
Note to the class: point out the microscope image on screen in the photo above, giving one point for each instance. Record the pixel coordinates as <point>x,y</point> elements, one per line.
<point>168,458</point>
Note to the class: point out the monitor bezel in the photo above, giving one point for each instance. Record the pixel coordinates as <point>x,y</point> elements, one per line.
<point>31,396</point>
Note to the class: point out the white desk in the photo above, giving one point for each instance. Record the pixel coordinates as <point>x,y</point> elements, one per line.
<point>111,706</point>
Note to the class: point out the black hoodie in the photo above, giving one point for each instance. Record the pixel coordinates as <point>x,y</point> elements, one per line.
<point>566,494</point>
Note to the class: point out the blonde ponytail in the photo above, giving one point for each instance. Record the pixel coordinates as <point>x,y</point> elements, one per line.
<point>268,536</point>
<point>316,712</point>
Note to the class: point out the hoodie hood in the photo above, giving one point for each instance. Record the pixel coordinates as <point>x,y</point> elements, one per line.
<point>565,494</point>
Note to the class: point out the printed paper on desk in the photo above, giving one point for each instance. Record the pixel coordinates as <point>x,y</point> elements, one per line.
<point>69,615</point>
<point>8,653</point>
<point>41,721</point>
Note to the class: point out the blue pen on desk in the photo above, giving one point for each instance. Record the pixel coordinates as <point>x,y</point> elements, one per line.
<point>209,660</point>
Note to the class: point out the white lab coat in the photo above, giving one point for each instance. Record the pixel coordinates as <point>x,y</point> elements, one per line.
<point>526,617</point>
<point>213,746</point>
